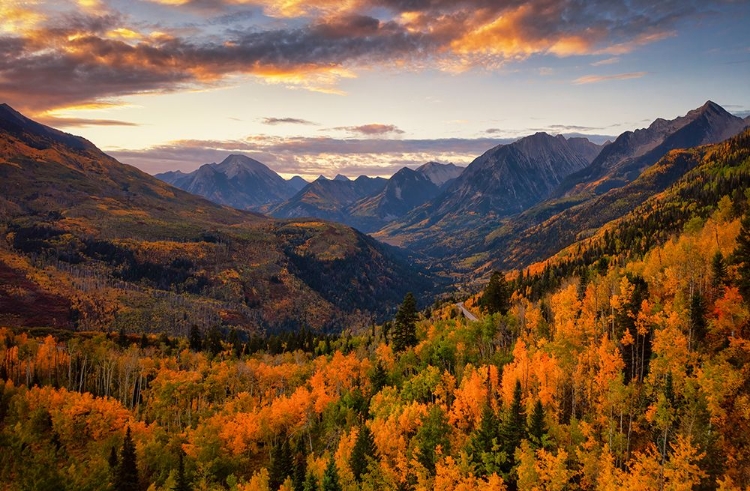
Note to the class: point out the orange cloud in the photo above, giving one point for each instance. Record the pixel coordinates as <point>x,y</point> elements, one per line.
<point>593,79</point>
<point>18,19</point>
<point>54,58</point>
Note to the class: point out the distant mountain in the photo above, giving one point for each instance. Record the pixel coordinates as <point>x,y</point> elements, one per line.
<point>328,199</point>
<point>623,160</point>
<point>504,181</point>
<point>365,203</point>
<point>103,246</point>
<point>406,190</point>
<point>297,183</point>
<point>238,181</point>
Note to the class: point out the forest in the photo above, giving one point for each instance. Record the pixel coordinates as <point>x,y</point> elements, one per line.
<point>629,371</point>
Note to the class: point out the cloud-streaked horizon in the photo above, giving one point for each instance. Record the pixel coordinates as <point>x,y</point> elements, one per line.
<point>59,58</point>
<point>309,156</point>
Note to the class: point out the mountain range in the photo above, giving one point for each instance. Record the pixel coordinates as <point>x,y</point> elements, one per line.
<point>103,245</point>
<point>368,203</point>
<point>495,215</point>
<point>492,212</point>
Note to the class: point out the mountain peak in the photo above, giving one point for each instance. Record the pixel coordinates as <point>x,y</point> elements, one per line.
<point>439,173</point>
<point>238,181</point>
<point>709,108</point>
<point>341,177</point>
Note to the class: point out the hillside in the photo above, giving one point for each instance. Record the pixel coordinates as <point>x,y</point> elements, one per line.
<point>107,246</point>
<point>329,199</point>
<point>711,177</point>
<point>405,191</point>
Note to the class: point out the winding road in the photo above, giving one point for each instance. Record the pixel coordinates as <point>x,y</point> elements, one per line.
<point>466,313</point>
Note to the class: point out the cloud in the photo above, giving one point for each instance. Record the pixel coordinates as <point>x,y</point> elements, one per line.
<point>74,54</point>
<point>275,121</point>
<point>311,156</point>
<point>60,122</point>
<point>607,61</point>
<point>373,129</point>
<point>593,79</point>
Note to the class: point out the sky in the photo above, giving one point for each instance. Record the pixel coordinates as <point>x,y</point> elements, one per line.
<point>362,86</point>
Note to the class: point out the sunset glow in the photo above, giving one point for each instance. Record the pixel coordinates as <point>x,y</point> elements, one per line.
<point>141,79</point>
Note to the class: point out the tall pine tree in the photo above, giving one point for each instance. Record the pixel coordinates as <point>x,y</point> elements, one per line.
<point>282,463</point>
<point>434,433</point>
<point>741,257</point>
<point>718,271</point>
<point>537,426</point>
<point>311,484</point>
<point>127,469</point>
<point>300,466</point>
<point>181,483</point>
<point>331,477</point>
<point>486,441</point>
<point>514,427</point>
<point>496,296</point>
<point>405,325</point>
<point>363,452</point>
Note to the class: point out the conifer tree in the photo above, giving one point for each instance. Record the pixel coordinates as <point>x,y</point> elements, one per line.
<point>379,378</point>
<point>496,296</point>
<point>127,469</point>
<point>213,341</point>
<point>113,462</point>
<point>364,450</point>
<point>311,484</point>
<point>537,426</point>
<point>434,433</point>
<point>698,324</point>
<point>486,439</point>
<point>718,270</point>
<point>514,426</point>
<point>331,477</point>
<point>405,325</point>
<point>181,483</point>
<point>281,463</point>
<point>300,467</point>
<point>741,257</point>
<point>196,338</point>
